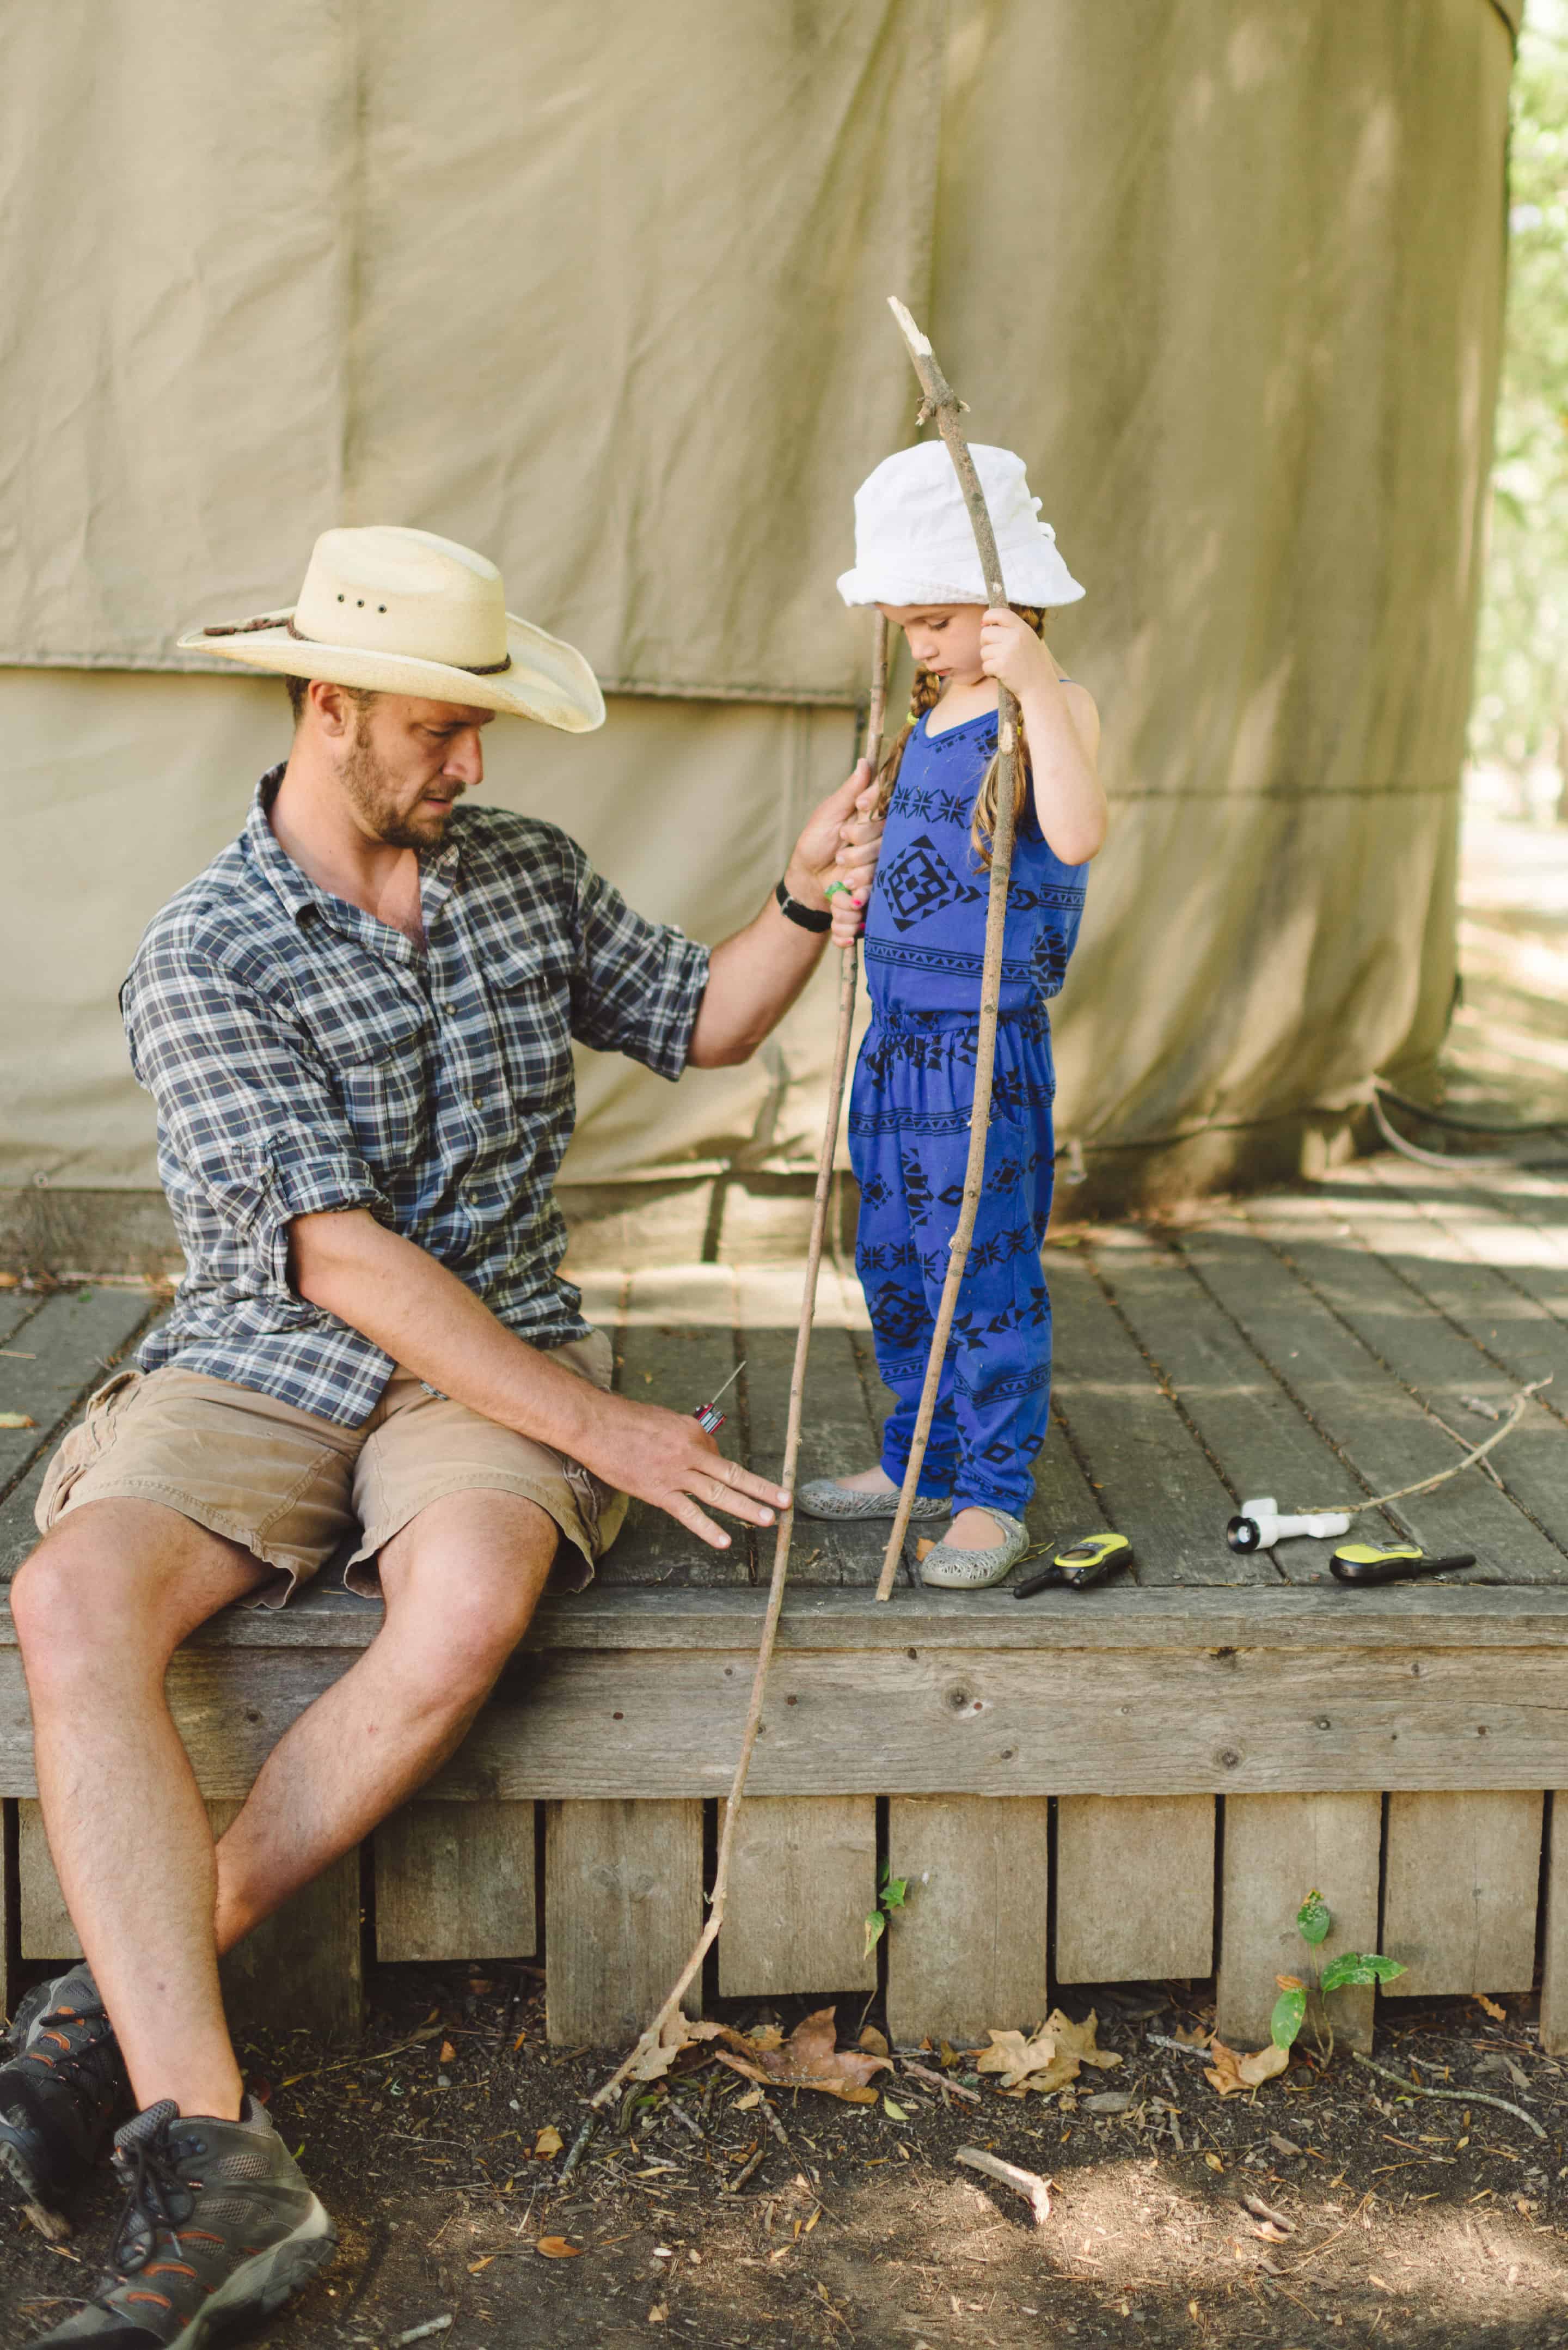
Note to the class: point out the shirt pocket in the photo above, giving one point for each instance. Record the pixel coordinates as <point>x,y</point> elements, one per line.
<point>381,1076</point>
<point>531,1002</point>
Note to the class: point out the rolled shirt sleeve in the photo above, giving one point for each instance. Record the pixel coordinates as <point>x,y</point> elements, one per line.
<point>638,984</point>
<point>248,1123</point>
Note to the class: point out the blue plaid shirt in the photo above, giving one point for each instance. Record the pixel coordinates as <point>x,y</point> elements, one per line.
<point>304,1055</point>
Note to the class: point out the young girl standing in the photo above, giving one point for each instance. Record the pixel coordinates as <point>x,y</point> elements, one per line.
<point>925,938</point>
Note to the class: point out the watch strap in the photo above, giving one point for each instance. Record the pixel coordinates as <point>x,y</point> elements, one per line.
<point>810,918</point>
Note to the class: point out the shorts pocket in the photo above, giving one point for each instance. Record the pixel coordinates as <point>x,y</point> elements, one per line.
<point>82,1446</point>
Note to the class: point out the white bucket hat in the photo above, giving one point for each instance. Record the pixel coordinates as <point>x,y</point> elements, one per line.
<point>402,611</point>
<point>913,543</point>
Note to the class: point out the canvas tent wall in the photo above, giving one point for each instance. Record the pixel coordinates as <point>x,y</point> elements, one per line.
<point>601,291</point>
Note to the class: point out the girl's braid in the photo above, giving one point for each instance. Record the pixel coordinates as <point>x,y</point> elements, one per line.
<point>924,696</point>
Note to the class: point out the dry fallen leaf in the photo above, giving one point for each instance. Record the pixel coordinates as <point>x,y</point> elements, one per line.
<point>1047,2061</point>
<point>448,2053</point>
<point>476,2266</point>
<point>873,2042</point>
<point>752,2098</point>
<point>658,2314</point>
<point>556,2247</point>
<point>679,2033</point>
<point>809,2059</point>
<point>1232,2071</point>
<point>16,1419</point>
<point>1498,2014</point>
<point>549,2142</point>
<point>1272,2234</point>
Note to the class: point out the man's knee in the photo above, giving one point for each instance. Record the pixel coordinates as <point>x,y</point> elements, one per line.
<point>462,1585</point>
<point>120,1583</point>
<point>63,1603</point>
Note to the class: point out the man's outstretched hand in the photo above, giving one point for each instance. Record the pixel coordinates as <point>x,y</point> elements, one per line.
<point>840,842</point>
<point>665,1458</point>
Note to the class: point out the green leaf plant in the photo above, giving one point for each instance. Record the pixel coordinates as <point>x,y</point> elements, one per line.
<point>893,1894</point>
<point>1352,1968</point>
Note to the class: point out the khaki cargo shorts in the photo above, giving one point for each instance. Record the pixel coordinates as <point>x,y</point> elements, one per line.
<point>298,1490</point>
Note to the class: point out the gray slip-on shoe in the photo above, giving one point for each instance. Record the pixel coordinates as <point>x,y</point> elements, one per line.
<point>971,1570</point>
<point>825,1497</point>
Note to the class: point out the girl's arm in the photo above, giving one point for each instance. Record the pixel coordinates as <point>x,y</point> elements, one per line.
<point>1063,728</point>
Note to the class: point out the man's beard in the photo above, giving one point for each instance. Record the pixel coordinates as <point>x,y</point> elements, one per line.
<point>369,786</point>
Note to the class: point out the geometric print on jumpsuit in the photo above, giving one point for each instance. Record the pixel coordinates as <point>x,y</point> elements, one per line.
<point>909,1116</point>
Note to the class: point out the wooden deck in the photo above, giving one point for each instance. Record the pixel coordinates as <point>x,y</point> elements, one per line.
<point>1136,1781</point>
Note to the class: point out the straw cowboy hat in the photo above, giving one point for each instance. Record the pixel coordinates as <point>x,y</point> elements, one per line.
<point>914,545</point>
<point>402,611</point>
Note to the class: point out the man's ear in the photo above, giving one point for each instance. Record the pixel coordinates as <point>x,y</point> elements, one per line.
<point>334,707</point>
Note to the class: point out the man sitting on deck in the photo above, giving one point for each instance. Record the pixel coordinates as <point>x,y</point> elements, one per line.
<point>356,1026</point>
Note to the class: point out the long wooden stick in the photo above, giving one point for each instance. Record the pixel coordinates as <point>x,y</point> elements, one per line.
<point>943,402</point>
<point>825,1157</point>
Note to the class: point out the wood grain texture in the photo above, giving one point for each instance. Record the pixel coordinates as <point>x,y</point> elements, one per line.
<point>623,1905</point>
<point>971,1949</point>
<point>1554,1937</point>
<point>455,1881</point>
<point>1240,1410</point>
<point>1460,1881</point>
<point>47,1928</point>
<point>803,1881</point>
<point>299,1969</point>
<point>1377,1425</point>
<point>1135,1888</point>
<point>1156,1485</point>
<point>1278,1849</point>
<point>73,1340</point>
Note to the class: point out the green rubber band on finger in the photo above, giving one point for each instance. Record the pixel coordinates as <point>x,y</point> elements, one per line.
<point>833,885</point>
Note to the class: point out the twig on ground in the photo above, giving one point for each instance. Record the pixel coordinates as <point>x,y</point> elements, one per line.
<point>941,2081</point>
<point>1454,2096</point>
<point>942,401</point>
<point>420,2333</point>
<point>1182,2048</point>
<point>1036,2190</point>
<point>577,2148</point>
<point>777,2126</point>
<point>717,1898</point>
<point>747,2170</point>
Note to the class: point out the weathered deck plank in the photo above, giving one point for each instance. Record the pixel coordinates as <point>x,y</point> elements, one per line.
<point>972,1949</point>
<point>74,1339</point>
<point>1459,1891</point>
<point>1135,1888</point>
<point>456,1881</point>
<point>1278,1849</point>
<point>1242,1413</point>
<point>803,1883</point>
<point>623,1904</point>
<point>1374,1423</point>
<point>1155,1483</point>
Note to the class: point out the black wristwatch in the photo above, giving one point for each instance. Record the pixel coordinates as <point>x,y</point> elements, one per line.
<point>810,918</point>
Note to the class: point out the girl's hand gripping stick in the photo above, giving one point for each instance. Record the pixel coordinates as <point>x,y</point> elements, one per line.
<point>1260,1525</point>
<point>708,1415</point>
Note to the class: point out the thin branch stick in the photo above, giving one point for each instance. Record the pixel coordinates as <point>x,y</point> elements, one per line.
<point>941,2081</point>
<point>1428,1484</point>
<point>1036,2190</point>
<point>943,402</point>
<point>1454,2096</point>
<point>825,1158</point>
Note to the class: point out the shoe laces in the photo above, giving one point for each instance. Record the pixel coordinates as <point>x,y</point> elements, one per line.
<point>158,2194</point>
<point>80,2065</point>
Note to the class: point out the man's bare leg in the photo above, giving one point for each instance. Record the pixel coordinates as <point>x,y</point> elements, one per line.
<point>100,1607</point>
<point>461,1582</point>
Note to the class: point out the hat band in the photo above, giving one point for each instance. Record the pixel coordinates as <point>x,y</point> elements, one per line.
<point>283,619</point>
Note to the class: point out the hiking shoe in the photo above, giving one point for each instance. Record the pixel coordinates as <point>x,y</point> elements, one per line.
<point>219,2230</point>
<point>60,2092</point>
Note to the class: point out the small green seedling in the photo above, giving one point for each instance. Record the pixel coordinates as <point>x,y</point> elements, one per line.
<point>1352,1968</point>
<point>894,1894</point>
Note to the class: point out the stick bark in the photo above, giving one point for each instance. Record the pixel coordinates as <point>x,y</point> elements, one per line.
<point>941,401</point>
<point>1036,2190</point>
<point>876,718</point>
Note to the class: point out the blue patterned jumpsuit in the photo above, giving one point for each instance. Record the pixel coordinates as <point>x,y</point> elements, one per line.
<point>910,1114</point>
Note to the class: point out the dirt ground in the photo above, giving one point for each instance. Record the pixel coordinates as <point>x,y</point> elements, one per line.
<point>1373,2216</point>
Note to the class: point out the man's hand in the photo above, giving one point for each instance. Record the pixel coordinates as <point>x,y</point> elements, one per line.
<point>422,1316</point>
<point>839,844</point>
<point>664,1457</point>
